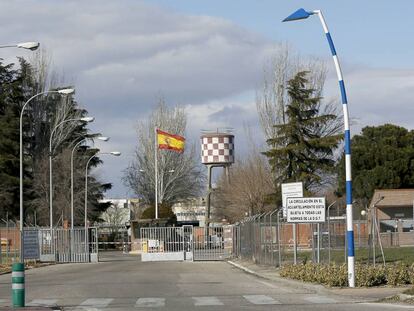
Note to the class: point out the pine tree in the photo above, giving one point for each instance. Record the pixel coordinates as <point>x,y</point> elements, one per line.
<point>299,152</point>
<point>382,158</point>
<point>11,93</point>
<point>17,85</point>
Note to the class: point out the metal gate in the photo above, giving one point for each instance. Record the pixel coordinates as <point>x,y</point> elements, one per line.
<point>67,245</point>
<point>213,243</point>
<point>187,243</point>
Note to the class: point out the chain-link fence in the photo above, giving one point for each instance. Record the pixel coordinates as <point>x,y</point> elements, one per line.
<point>269,240</point>
<point>9,242</point>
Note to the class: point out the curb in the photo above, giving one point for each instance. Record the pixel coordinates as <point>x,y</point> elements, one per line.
<point>30,268</point>
<point>245,269</point>
<point>310,287</point>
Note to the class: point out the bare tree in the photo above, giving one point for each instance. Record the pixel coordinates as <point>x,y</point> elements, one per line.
<point>115,217</point>
<point>43,115</point>
<point>249,191</point>
<point>179,174</point>
<point>272,97</point>
<point>251,185</point>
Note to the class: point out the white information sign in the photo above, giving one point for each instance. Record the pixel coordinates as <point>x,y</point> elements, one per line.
<point>291,190</point>
<point>302,210</point>
<point>153,243</point>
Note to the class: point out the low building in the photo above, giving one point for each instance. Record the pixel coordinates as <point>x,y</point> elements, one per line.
<point>394,209</point>
<point>190,212</point>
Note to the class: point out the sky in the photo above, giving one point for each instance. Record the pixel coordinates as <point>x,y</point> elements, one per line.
<point>208,56</point>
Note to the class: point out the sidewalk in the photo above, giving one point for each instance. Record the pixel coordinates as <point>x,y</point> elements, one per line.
<point>367,294</point>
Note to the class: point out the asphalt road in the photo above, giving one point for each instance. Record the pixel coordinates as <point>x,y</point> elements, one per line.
<point>122,282</point>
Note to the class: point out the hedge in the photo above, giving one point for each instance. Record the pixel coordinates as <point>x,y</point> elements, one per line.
<point>336,275</point>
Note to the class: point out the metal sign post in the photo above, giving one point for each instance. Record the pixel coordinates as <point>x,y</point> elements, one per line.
<point>292,190</point>
<point>305,210</point>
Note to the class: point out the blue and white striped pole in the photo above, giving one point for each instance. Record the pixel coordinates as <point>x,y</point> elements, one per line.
<point>302,14</point>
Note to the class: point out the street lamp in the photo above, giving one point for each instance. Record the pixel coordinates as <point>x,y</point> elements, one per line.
<point>113,153</point>
<point>302,14</point>
<point>102,138</point>
<point>23,45</point>
<point>84,119</point>
<point>61,92</point>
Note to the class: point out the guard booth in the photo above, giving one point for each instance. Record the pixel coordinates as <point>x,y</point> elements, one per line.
<point>187,243</point>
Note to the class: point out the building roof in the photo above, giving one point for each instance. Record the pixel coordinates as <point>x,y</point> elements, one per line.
<point>392,198</point>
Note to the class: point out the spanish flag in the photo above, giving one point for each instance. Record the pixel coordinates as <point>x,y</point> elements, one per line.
<point>169,141</point>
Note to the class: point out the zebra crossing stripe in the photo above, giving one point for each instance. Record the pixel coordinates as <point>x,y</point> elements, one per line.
<point>261,300</point>
<point>96,302</point>
<point>320,299</point>
<point>43,303</point>
<point>150,302</point>
<point>207,301</point>
<point>153,302</point>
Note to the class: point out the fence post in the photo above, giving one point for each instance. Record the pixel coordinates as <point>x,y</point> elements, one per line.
<point>18,295</point>
<point>278,238</point>
<point>295,249</point>
<point>319,243</point>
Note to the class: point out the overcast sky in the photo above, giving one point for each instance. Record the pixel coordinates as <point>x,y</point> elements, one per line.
<point>208,56</point>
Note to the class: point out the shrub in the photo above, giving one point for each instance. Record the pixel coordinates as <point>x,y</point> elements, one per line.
<point>336,275</point>
<point>411,274</point>
<point>368,275</point>
<point>398,275</point>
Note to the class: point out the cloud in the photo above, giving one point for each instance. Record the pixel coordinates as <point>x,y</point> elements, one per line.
<point>377,95</point>
<point>122,55</point>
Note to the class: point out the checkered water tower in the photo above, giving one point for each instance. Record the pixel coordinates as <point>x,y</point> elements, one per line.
<point>217,150</point>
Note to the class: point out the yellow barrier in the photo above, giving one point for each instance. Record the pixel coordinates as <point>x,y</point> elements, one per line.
<point>144,245</point>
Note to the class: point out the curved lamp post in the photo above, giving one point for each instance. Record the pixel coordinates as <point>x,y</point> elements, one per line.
<point>102,138</point>
<point>302,14</point>
<point>23,45</point>
<point>113,153</point>
<point>85,119</point>
<point>62,92</point>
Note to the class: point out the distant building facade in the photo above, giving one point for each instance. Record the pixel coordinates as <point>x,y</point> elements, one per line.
<point>190,212</point>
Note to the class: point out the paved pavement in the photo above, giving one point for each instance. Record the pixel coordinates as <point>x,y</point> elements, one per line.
<point>122,282</point>
<point>368,294</point>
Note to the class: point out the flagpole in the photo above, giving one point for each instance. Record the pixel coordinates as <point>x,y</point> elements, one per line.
<point>156,173</point>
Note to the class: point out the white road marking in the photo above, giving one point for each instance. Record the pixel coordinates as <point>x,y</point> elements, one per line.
<point>42,303</point>
<point>150,302</point>
<point>261,300</point>
<point>320,299</point>
<point>280,289</point>
<point>207,301</point>
<point>96,302</point>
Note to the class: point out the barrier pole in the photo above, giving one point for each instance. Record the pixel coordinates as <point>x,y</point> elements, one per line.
<point>18,294</point>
